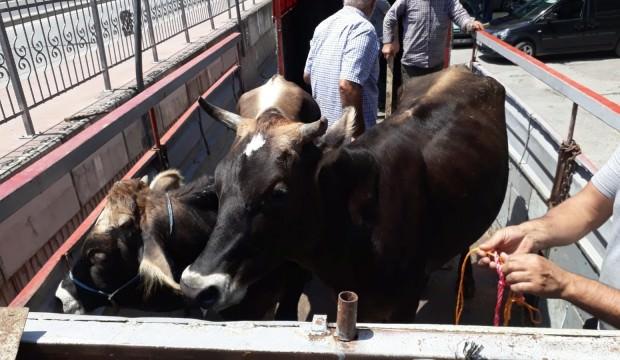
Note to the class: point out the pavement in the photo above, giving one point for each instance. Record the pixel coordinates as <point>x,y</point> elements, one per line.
<point>598,71</point>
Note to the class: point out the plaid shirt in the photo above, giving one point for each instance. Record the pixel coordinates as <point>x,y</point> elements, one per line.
<point>426,24</point>
<point>344,47</point>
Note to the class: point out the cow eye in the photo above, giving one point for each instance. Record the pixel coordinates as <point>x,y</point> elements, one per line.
<point>279,192</point>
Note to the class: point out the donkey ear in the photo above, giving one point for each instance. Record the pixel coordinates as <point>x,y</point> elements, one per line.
<point>167,180</point>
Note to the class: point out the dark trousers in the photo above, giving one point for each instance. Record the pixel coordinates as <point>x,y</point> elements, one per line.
<point>409,72</point>
<point>381,84</point>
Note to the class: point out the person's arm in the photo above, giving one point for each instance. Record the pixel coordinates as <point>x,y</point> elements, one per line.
<point>351,95</point>
<point>390,28</point>
<point>459,15</point>
<point>533,274</point>
<point>358,60</point>
<point>562,225</point>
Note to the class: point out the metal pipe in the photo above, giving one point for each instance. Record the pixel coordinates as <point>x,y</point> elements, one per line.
<point>184,21</point>
<point>15,80</point>
<point>151,31</point>
<point>100,47</point>
<point>573,119</point>
<point>210,12</point>
<point>346,319</point>
<point>240,25</point>
<point>137,43</point>
<point>160,149</point>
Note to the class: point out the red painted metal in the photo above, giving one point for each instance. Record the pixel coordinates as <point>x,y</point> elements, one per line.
<point>603,101</point>
<point>40,166</point>
<point>280,8</point>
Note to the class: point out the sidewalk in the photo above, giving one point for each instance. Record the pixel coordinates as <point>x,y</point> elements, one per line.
<point>61,116</point>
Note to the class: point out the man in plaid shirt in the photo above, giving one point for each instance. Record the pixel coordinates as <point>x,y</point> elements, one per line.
<point>343,64</point>
<point>425,25</point>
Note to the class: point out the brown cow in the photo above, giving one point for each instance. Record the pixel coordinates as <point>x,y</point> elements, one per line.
<point>370,216</point>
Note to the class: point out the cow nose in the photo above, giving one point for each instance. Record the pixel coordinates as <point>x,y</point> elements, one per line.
<point>208,297</point>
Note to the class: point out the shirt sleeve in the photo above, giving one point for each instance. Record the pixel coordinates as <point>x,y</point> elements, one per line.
<point>311,55</point>
<point>607,180</point>
<point>360,54</point>
<point>391,20</point>
<point>459,15</point>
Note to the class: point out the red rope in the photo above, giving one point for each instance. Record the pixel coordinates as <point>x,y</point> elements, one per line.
<point>501,284</point>
<point>513,298</point>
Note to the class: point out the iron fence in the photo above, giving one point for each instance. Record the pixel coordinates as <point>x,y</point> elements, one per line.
<point>51,46</point>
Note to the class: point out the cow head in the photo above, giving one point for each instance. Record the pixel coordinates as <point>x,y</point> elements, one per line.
<point>119,262</point>
<point>263,186</point>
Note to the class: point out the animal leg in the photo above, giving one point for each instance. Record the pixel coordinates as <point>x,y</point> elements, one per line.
<point>469,285</point>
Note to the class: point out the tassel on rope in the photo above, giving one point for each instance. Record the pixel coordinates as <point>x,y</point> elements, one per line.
<point>513,298</point>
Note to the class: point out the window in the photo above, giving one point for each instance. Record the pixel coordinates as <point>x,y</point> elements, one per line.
<point>607,7</point>
<point>570,9</point>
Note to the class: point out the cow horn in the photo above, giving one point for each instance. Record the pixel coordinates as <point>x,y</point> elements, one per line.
<point>229,119</point>
<point>313,130</point>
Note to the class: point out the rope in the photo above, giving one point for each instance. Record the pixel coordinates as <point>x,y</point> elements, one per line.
<point>513,298</point>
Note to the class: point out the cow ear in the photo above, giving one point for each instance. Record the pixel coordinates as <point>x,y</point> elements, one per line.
<point>341,132</point>
<point>348,180</point>
<point>155,269</point>
<point>167,180</point>
<point>145,180</point>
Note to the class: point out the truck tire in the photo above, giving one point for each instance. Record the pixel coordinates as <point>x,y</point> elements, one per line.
<point>527,47</point>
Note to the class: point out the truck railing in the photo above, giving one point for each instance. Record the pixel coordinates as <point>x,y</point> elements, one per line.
<point>596,104</point>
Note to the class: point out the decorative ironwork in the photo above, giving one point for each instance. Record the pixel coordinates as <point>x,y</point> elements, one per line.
<point>54,44</point>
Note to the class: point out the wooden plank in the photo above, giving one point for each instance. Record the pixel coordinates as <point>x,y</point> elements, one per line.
<point>12,322</point>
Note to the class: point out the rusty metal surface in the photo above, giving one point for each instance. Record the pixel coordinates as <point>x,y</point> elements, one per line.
<point>12,321</point>
<point>346,318</point>
<point>86,337</point>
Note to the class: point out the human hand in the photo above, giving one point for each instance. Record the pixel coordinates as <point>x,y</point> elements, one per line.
<point>475,26</point>
<point>533,274</point>
<point>509,240</point>
<point>391,49</point>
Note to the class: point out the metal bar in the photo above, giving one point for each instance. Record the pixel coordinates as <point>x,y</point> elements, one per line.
<point>240,27</point>
<point>573,120</point>
<point>151,32</point>
<point>82,336</point>
<point>15,80</point>
<point>184,20</point>
<point>599,106</point>
<point>137,43</point>
<point>229,9</point>
<point>157,146</point>
<point>100,47</point>
<point>210,10</point>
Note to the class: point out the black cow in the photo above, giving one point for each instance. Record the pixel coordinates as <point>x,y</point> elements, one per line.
<point>372,216</point>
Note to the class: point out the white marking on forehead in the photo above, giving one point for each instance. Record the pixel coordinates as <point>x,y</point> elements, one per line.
<point>256,143</point>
